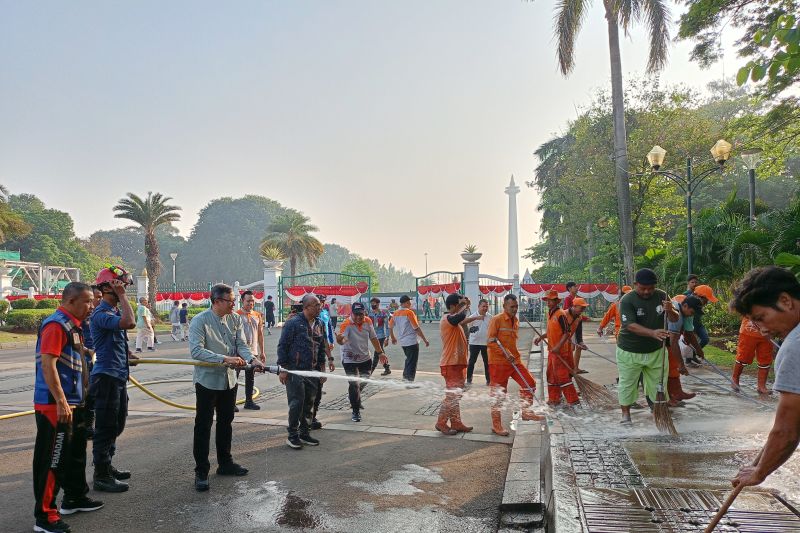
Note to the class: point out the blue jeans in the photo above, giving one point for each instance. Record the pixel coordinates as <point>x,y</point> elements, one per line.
<point>702,334</point>
<point>412,356</point>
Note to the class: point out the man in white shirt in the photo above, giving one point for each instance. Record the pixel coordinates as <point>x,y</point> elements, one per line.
<point>175,320</point>
<point>478,340</point>
<point>404,327</point>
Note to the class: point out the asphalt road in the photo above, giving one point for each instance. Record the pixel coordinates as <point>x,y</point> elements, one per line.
<point>389,473</point>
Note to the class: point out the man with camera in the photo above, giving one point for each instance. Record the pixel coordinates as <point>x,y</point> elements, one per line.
<point>301,347</point>
<point>110,323</point>
<point>217,336</point>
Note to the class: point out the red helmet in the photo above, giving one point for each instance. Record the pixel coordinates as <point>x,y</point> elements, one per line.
<point>110,272</point>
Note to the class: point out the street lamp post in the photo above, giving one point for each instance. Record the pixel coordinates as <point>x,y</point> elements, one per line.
<point>174,256</point>
<point>426,263</point>
<point>751,158</point>
<point>721,151</point>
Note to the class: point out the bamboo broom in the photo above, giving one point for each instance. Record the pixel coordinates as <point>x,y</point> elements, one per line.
<point>595,394</point>
<point>661,414</point>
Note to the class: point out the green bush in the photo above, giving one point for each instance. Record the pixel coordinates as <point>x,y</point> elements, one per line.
<point>24,303</point>
<point>49,303</point>
<point>27,319</point>
<point>716,317</point>
<point>4,307</point>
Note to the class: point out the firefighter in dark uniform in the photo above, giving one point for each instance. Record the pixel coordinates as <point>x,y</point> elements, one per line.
<point>59,456</point>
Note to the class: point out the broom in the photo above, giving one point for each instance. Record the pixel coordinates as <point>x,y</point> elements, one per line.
<point>595,394</point>
<point>661,414</point>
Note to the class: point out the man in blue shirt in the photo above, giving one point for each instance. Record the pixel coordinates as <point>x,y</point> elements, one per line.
<point>107,384</point>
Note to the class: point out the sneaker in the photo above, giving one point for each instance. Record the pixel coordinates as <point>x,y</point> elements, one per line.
<point>309,440</point>
<point>121,475</point>
<point>201,482</point>
<point>316,424</point>
<point>294,442</point>
<point>58,526</point>
<point>231,469</point>
<point>174,338</point>
<point>151,349</point>
<point>356,416</point>
<point>386,372</point>
<point>138,350</point>
<point>252,405</point>
<point>83,505</point>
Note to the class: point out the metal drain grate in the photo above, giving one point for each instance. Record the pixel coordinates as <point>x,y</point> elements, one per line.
<point>602,463</point>
<point>342,403</point>
<point>682,510</point>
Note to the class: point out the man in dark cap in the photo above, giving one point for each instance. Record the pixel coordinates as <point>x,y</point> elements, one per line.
<point>641,338</point>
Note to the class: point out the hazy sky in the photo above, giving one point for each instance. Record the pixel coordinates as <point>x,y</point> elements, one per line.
<point>394,125</point>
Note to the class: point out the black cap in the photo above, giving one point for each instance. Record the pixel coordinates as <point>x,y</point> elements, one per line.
<point>646,276</point>
<point>694,303</point>
<point>405,298</point>
<point>357,308</point>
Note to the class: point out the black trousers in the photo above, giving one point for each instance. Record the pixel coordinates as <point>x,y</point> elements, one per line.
<point>376,357</point>
<point>249,383</point>
<point>474,350</point>
<point>209,401</point>
<point>59,460</point>
<point>300,393</point>
<point>317,397</point>
<point>361,370</point>
<point>412,356</point>
<point>110,412</point>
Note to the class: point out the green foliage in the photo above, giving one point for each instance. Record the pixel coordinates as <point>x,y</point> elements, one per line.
<point>49,303</point>
<point>27,320</point>
<point>291,234</point>
<point>24,303</point>
<point>363,267</point>
<point>4,307</point>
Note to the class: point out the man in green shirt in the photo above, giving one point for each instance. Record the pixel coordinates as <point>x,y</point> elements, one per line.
<point>641,339</point>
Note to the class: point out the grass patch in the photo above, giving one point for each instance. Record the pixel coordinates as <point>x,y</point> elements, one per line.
<point>12,336</point>
<point>718,356</point>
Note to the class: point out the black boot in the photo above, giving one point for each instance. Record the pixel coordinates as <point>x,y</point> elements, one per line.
<point>120,474</point>
<point>104,480</point>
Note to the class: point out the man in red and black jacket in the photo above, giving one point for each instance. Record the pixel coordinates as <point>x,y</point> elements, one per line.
<point>59,456</point>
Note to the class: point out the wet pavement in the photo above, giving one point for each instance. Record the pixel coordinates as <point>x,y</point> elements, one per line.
<point>605,477</point>
<point>391,472</point>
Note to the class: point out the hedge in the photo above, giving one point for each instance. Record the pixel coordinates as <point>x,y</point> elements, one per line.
<point>49,303</point>
<point>27,319</point>
<point>24,303</point>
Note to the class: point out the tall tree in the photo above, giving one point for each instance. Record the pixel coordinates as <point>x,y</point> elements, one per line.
<point>11,223</point>
<point>619,14</point>
<point>291,233</point>
<point>149,213</point>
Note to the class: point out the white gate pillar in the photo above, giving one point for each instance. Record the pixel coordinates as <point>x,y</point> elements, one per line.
<point>272,272</point>
<point>142,285</point>
<point>471,288</point>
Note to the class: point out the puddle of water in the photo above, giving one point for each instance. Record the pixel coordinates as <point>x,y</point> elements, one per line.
<point>401,482</point>
<point>425,520</point>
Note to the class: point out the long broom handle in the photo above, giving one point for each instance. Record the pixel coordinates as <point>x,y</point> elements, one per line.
<point>730,500</point>
<point>536,331</point>
<point>516,368</point>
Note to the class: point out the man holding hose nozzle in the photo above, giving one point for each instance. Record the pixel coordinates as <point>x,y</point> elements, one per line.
<point>217,336</point>
<point>770,298</point>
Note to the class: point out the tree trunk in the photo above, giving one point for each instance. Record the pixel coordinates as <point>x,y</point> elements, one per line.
<point>620,146</point>
<point>151,252</point>
<point>293,266</point>
<point>590,248</point>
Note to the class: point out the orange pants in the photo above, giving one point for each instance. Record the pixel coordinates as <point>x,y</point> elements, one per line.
<point>455,376</point>
<point>674,359</point>
<point>498,380</point>
<point>754,347</point>
<point>559,380</point>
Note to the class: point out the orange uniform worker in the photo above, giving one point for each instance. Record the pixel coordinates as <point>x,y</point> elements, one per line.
<point>753,345</point>
<point>613,314</point>
<point>453,363</point>
<point>559,376</point>
<point>504,330</point>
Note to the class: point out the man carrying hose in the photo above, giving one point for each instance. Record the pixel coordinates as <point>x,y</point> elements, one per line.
<point>216,336</point>
<point>640,343</point>
<point>59,455</point>
<point>559,359</point>
<point>502,338</point>
<point>770,298</point>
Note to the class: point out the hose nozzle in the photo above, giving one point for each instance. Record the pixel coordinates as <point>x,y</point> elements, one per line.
<point>273,369</point>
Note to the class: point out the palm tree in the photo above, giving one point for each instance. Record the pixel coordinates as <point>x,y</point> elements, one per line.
<point>149,213</point>
<point>290,233</point>
<point>619,14</point>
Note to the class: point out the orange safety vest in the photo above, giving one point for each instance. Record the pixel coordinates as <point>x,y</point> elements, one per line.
<point>557,327</point>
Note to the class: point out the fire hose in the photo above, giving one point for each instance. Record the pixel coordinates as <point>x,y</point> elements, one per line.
<point>142,385</point>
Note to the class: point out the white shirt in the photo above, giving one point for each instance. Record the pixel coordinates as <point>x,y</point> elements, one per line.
<point>479,337</point>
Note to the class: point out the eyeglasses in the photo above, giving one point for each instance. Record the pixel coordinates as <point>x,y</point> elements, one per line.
<point>225,300</point>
